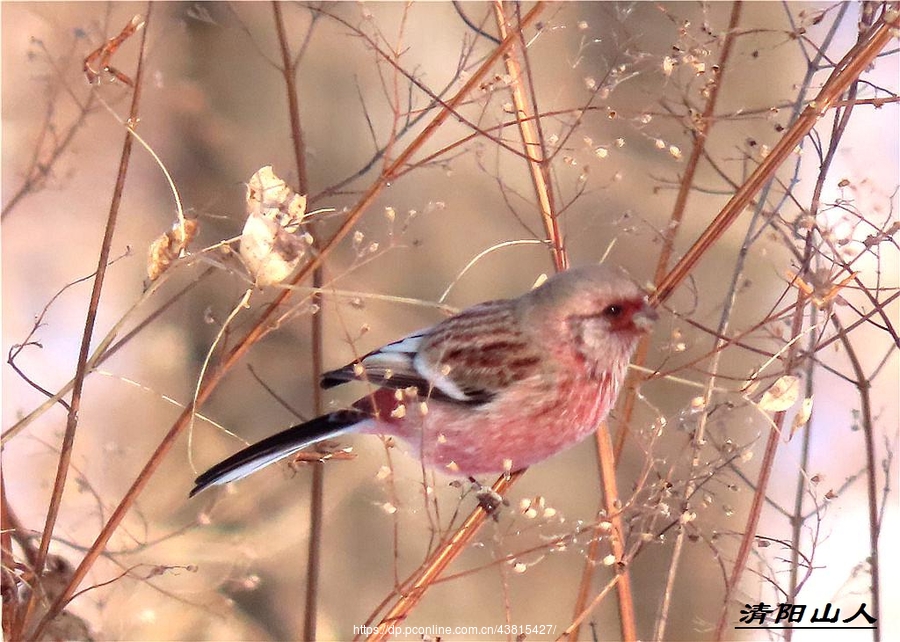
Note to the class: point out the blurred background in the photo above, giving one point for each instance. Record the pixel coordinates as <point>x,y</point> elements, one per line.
<point>619,87</point>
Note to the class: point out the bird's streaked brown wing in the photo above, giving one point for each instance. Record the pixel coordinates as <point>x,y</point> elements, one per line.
<point>478,342</point>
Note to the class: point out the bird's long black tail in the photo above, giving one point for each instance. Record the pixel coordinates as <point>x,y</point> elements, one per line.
<point>278,446</point>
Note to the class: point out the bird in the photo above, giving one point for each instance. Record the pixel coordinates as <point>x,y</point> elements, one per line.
<point>495,388</point>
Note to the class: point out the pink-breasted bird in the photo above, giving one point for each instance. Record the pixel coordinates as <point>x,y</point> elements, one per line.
<point>496,388</point>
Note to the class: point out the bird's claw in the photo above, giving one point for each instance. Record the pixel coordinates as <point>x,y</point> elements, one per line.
<point>489,499</point>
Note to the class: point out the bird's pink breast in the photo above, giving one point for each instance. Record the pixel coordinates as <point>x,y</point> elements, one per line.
<point>526,424</point>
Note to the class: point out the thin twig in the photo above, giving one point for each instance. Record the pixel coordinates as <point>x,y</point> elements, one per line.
<point>68,442</point>
<point>440,560</point>
<point>687,183</point>
<point>848,69</point>
<point>844,75</point>
<point>317,490</point>
<point>39,171</point>
<point>864,386</point>
<point>841,119</point>
<point>684,190</point>
<point>532,143</point>
<point>106,349</point>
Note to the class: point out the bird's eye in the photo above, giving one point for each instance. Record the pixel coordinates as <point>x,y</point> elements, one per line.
<point>613,311</point>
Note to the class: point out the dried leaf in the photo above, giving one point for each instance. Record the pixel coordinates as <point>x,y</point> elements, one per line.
<point>782,395</point>
<point>170,246</point>
<point>269,196</point>
<point>802,416</point>
<point>270,249</point>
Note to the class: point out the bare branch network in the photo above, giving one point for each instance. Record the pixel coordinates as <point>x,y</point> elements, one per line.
<point>208,206</point>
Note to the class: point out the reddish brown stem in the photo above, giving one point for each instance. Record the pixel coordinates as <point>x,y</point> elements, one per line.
<point>317,489</point>
<point>845,72</point>
<point>687,183</point>
<point>8,564</point>
<point>455,544</point>
<point>762,484</point>
<point>437,563</point>
<point>532,144</point>
<point>684,191</point>
<point>864,385</point>
<point>68,443</point>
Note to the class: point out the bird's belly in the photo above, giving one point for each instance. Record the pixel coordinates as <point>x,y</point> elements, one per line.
<point>506,434</point>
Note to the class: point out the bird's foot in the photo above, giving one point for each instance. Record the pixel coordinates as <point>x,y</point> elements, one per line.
<point>488,498</point>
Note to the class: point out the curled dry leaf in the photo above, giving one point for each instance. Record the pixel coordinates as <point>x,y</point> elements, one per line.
<point>802,416</point>
<point>170,246</point>
<point>782,395</point>
<point>270,248</point>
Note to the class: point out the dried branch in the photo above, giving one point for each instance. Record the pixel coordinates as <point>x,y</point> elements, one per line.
<point>317,491</point>
<point>68,442</point>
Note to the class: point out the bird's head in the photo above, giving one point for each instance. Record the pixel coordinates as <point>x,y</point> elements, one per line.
<point>595,311</point>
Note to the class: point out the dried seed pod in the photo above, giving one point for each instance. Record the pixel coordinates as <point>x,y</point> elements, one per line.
<point>270,249</point>
<point>170,246</point>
